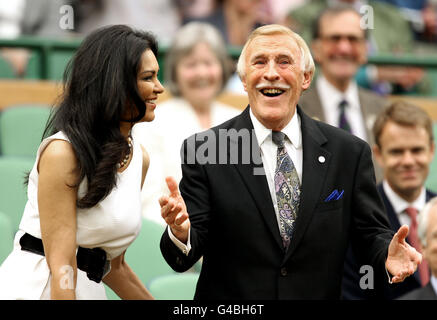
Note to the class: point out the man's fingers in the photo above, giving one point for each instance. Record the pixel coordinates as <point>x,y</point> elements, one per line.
<point>180,219</point>
<point>172,186</point>
<point>163,201</point>
<point>170,211</point>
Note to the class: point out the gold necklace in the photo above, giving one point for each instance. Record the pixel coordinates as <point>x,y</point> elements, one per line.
<point>123,162</point>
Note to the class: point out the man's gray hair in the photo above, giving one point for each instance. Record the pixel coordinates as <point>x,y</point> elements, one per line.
<point>307,62</point>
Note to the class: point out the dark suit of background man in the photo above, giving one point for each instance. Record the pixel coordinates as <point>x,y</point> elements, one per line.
<point>404,148</point>
<point>326,175</point>
<point>428,237</point>
<point>339,48</point>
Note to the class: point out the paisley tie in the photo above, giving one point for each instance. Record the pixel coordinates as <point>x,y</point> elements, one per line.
<point>287,188</point>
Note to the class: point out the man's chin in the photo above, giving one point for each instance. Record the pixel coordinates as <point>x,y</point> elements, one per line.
<point>409,187</point>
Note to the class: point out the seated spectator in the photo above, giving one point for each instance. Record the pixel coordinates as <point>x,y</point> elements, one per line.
<point>236,19</point>
<point>339,49</point>
<point>196,70</point>
<point>28,18</point>
<point>390,34</point>
<point>422,15</point>
<point>161,17</point>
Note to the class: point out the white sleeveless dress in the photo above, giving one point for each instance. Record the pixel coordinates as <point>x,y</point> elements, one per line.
<point>112,225</point>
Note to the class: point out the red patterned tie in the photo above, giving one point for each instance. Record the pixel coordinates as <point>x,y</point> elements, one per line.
<point>413,238</point>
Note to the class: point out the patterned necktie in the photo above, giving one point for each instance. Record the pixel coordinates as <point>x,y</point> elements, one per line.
<point>343,123</point>
<point>415,242</point>
<point>287,189</point>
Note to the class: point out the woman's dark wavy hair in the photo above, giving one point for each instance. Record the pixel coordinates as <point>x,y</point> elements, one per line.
<point>100,82</point>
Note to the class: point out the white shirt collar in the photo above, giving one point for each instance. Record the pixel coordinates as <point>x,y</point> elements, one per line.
<point>292,130</point>
<point>336,96</point>
<point>399,204</point>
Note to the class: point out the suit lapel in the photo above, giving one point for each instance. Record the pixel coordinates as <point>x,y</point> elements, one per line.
<point>367,116</point>
<point>256,184</point>
<point>313,105</point>
<point>316,161</point>
<point>391,215</point>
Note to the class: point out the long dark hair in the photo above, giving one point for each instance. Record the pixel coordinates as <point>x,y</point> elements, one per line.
<point>100,82</point>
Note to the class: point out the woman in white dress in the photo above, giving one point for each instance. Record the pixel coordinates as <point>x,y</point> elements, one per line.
<point>196,71</point>
<point>84,203</point>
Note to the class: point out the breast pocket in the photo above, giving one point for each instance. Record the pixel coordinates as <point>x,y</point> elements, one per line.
<point>330,205</point>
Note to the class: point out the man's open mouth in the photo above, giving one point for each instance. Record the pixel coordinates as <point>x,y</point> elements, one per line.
<point>272,92</point>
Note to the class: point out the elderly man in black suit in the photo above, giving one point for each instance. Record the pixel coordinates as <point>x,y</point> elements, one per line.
<point>273,209</point>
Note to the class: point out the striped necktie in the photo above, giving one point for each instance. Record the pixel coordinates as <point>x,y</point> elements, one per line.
<point>413,239</point>
<point>343,123</point>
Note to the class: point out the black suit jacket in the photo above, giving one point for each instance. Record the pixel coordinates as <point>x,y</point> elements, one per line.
<point>234,226</point>
<point>382,290</point>
<point>370,103</point>
<point>425,293</point>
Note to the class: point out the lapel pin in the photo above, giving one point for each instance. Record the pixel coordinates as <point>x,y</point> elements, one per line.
<point>322,159</point>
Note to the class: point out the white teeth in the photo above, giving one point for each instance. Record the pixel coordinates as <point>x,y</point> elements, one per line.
<point>151,101</point>
<point>272,91</point>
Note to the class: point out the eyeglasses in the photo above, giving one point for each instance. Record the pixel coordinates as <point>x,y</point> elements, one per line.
<point>337,38</point>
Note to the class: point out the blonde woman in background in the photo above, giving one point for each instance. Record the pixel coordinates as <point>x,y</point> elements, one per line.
<point>196,71</point>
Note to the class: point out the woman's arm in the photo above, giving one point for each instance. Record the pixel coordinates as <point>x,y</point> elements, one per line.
<point>57,209</point>
<point>124,282</point>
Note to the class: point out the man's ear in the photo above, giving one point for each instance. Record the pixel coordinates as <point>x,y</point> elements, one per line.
<point>307,77</point>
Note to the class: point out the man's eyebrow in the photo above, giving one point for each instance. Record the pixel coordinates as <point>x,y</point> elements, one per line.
<point>258,56</point>
<point>280,56</point>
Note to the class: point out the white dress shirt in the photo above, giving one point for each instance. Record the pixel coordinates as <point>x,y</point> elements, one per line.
<point>434,283</point>
<point>293,145</point>
<point>330,98</point>
<point>399,205</point>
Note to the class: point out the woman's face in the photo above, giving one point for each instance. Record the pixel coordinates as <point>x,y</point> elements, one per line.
<point>199,75</point>
<point>148,84</point>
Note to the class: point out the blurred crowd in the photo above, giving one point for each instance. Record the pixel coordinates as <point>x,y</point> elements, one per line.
<point>234,18</point>
<point>400,26</point>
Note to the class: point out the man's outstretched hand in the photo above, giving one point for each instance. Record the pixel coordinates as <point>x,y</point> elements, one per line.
<point>402,259</point>
<point>174,211</point>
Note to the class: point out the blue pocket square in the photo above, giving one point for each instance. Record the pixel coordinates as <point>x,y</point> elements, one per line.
<point>335,195</point>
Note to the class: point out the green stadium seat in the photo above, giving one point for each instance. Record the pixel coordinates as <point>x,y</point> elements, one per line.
<point>6,70</point>
<point>21,129</point>
<point>34,66</point>
<point>13,192</point>
<point>57,62</point>
<point>6,236</point>
<point>174,286</point>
